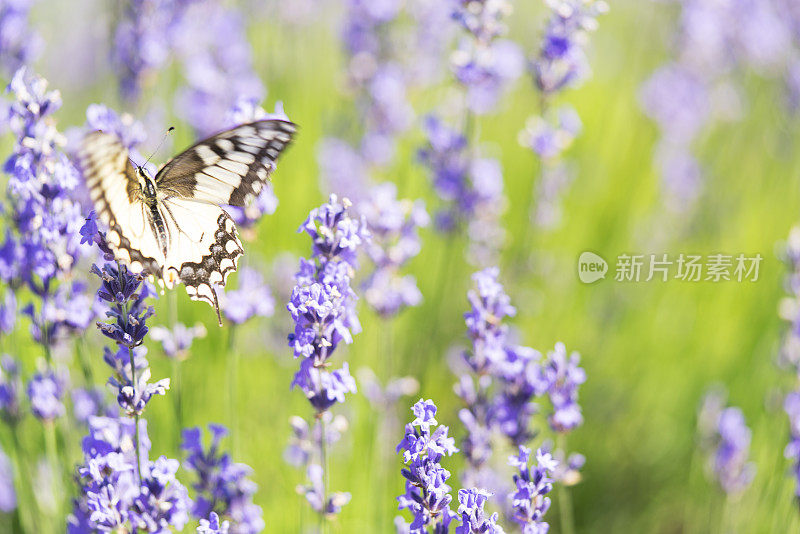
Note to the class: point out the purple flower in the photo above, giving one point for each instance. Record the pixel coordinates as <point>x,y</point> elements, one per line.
<point>529,501</point>
<point>252,298</point>
<point>212,525</point>
<point>322,305</point>
<point>8,495</point>
<point>115,493</point>
<point>731,467</point>
<point>19,45</point>
<point>46,394</point>
<point>427,494</point>
<point>10,389</point>
<point>473,519</point>
<point>342,169</point>
<point>8,313</point>
<point>42,242</point>
<point>393,226</point>
<point>549,137</point>
<point>564,377</point>
<point>222,486</point>
<point>216,61</point>
<point>87,403</point>
<point>315,493</point>
<point>791,406</point>
<point>125,293</point>
<point>177,342</point>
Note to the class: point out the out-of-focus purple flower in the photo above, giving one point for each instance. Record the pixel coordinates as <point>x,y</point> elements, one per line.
<point>46,394</point>
<point>8,313</point>
<point>10,389</point>
<point>678,100</point>
<point>395,240</point>
<point>563,376</point>
<point>87,403</point>
<point>212,525</point>
<point>216,60</point>
<point>113,495</point>
<point>791,406</point>
<point>427,494</point>
<point>343,169</point>
<point>142,42</point>
<point>530,501</point>
<point>306,438</point>
<point>549,137</point>
<point>177,341</point>
<point>484,64</point>
<point>18,44</point>
<point>222,486</point>
<point>252,298</point>
<point>731,467</point>
<point>8,495</point>
<point>489,306</point>
<point>322,503</point>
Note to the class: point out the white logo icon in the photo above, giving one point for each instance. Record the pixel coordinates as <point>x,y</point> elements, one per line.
<point>591,267</point>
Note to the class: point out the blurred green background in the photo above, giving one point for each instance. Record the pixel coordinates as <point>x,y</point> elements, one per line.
<point>650,350</point>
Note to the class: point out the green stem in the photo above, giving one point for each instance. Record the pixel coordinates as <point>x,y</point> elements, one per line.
<point>26,521</point>
<point>51,450</point>
<point>135,416</point>
<point>564,499</point>
<point>233,375</point>
<point>323,454</point>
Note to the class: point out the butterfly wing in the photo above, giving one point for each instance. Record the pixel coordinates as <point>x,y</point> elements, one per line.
<point>115,192</point>
<point>203,248</point>
<point>230,168</point>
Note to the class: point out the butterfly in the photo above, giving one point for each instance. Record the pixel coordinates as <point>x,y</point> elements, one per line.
<point>172,226</point>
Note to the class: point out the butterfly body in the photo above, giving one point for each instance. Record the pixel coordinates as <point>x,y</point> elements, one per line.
<point>174,226</point>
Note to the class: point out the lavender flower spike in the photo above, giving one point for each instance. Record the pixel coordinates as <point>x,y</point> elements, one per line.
<point>731,467</point>
<point>473,519</point>
<point>530,502</point>
<point>564,376</point>
<point>427,494</point>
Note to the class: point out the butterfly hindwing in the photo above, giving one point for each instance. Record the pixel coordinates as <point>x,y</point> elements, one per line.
<point>203,247</point>
<point>113,187</point>
<point>230,168</point>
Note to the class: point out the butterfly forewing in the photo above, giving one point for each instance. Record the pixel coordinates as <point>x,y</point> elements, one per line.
<point>230,168</point>
<point>113,187</point>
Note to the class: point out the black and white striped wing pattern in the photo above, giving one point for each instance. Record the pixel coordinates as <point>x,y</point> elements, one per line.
<point>115,192</point>
<point>230,168</point>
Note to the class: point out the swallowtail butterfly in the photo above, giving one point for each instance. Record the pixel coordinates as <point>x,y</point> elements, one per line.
<point>172,226</point>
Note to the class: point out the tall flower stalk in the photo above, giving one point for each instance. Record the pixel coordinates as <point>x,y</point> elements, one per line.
<point>322,307</point>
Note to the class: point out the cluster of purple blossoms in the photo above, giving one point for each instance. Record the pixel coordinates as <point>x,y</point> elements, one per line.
<point>530,501</point>
<point>427,494</point>
<point>217,64</point>
<point>483,63</point>
<point>43,247</point>
<point>322,307</point>
<point>142,42</point>
<point>726,437</point>
<point>212,525</point>
<point>251,298</point>
<point>125,294</point>
<point>563,376</point>
<point>177,341</point>
<point>123,493</point>
<point>223,489</point>
<point>18,44</point>
<point>394,226</point>
<point>473,518</point>
<point>46,391</point>
<point>516,370</point>
<point>470,186</point>
<point>559,63</point>
<point>791,406</point>
<point>377,76</point>
<point>698,88</point>
<point>10,389</point>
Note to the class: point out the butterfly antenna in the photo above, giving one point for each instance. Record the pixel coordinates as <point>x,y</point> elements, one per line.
<point>169,130</point>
